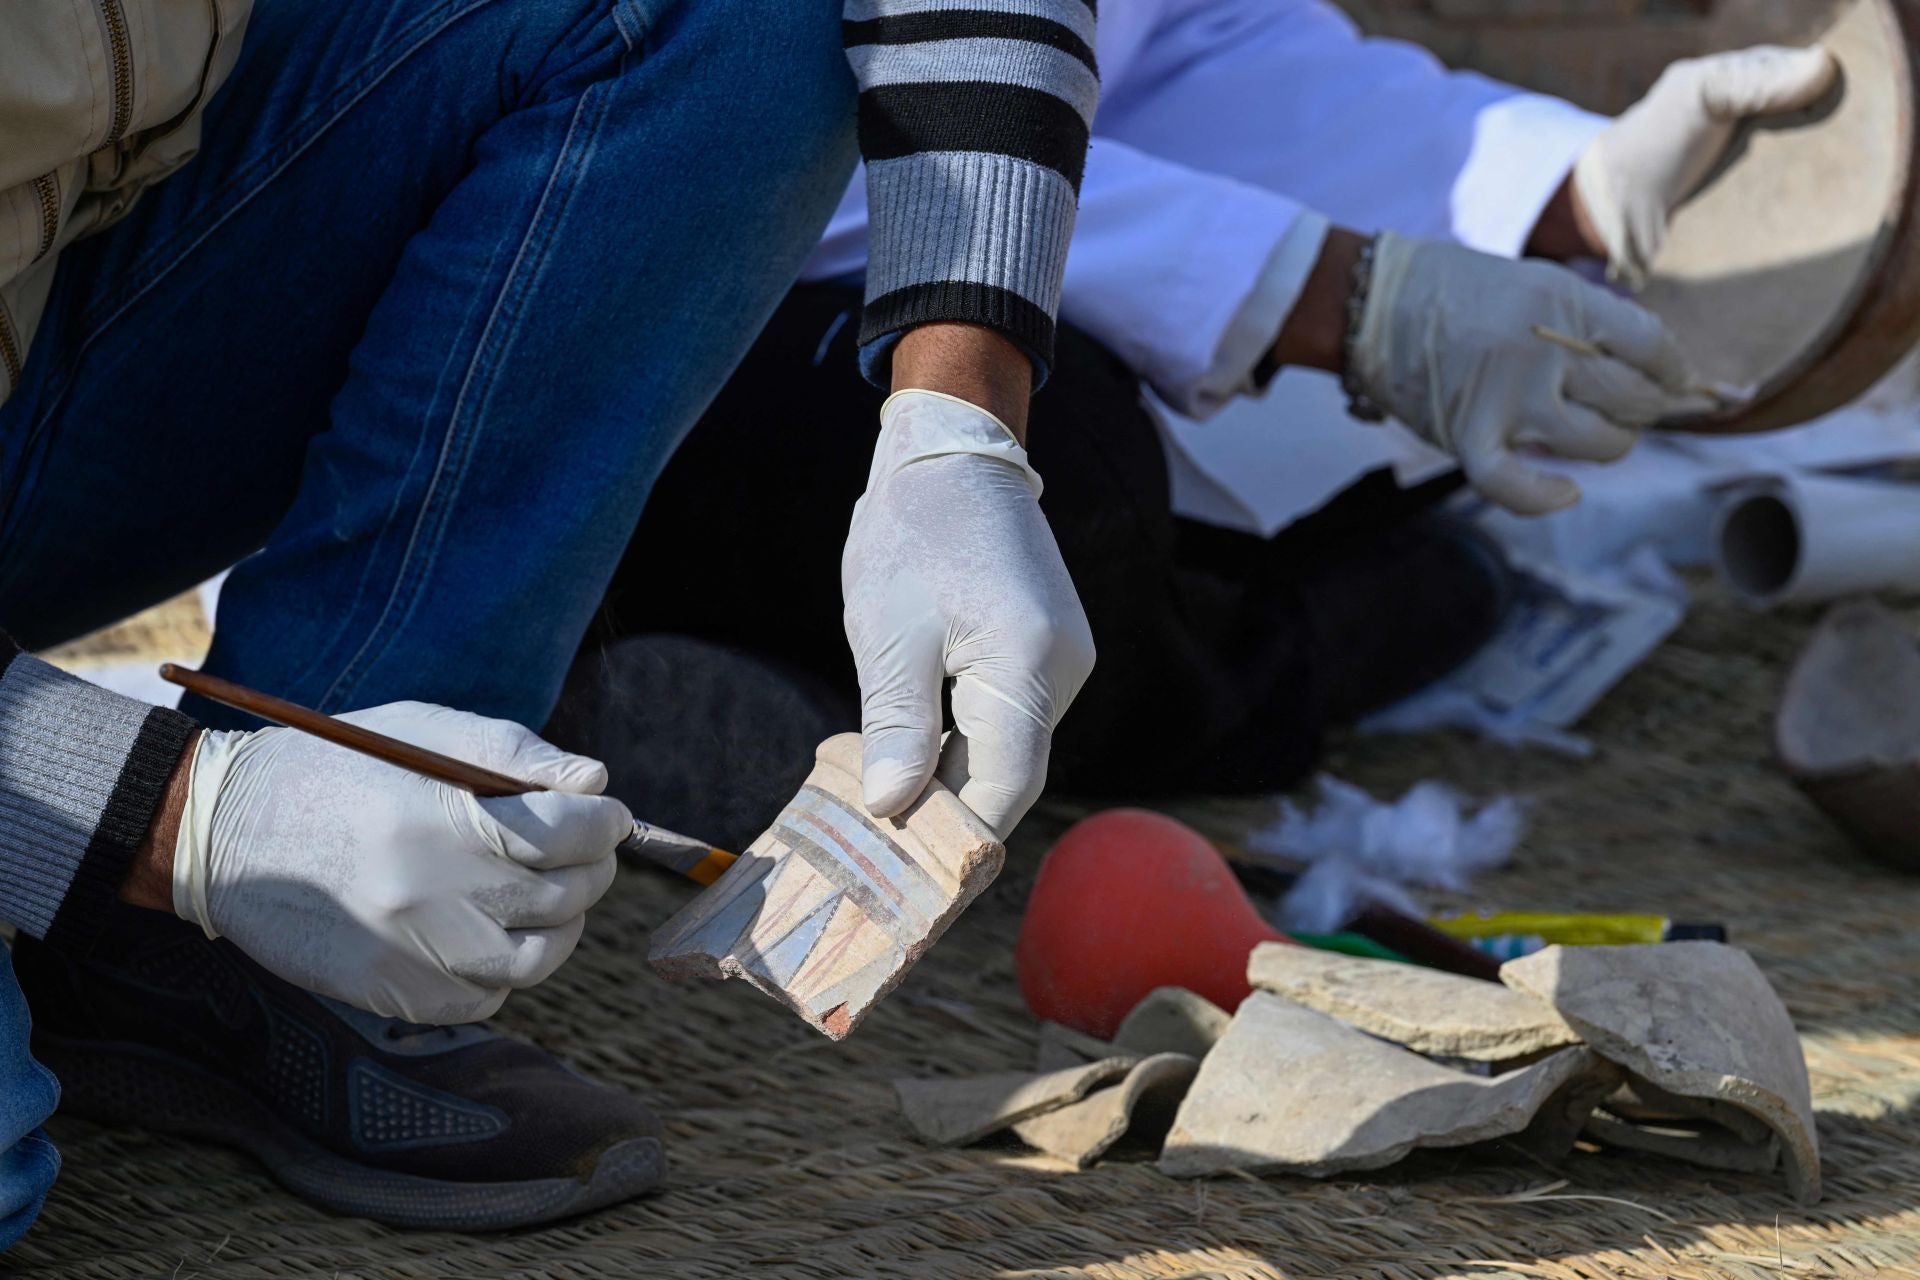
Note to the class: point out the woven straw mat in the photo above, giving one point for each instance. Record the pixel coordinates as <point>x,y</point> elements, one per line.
<point>789,1159</point>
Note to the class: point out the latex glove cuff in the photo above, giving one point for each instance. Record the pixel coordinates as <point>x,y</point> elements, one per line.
<point>213,759</point>
<point>940,435</point>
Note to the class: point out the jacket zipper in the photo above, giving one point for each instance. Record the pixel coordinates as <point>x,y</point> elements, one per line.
<point>9,350</point>
<point>120,46</point>
<point>47,187</point>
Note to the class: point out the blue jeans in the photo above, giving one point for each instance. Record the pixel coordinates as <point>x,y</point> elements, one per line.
<point>28,1092</point>
<point>419,328</point>
<point>412,338</point>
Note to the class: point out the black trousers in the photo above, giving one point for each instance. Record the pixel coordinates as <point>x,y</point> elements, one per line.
<point>1222,657</point>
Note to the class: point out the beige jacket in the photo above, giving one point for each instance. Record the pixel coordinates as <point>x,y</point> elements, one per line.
<point>98,99</point>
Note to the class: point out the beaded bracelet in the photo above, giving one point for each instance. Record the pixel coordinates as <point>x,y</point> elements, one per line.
<point>1360,405</point>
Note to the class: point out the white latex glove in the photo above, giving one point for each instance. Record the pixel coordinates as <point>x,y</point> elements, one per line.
<point>951,570</point>
<point>404,896</point>
<point>1448,345</point>
<point>1638,171</point>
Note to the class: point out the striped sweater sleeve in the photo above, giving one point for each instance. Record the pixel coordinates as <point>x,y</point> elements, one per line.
<point>82,773</point>
<point>974,120</point>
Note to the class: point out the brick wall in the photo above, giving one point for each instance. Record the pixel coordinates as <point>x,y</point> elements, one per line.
<point>1602,54</point>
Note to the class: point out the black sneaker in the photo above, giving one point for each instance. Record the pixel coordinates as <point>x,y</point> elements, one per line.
<point>460,1128</point>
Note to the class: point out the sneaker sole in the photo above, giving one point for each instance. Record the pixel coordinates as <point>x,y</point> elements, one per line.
<point>122,1084</point>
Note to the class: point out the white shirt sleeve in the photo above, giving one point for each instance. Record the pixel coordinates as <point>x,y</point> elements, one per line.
<point>1185,275</point>
<point>1230,135</point>
<point>1255,326</point>
<point>1373,134</point>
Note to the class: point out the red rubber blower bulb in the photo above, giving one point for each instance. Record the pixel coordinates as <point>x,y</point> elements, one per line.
<point>1127,901</point>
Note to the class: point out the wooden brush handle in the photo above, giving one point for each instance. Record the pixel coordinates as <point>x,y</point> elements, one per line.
<point>694,859</point>
<point>482,782</point>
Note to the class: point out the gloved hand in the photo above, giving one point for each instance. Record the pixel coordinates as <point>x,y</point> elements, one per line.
<point>951,570</point>
<point>1652,158</point>
<point>1448,345</point>
<point>401,895</point>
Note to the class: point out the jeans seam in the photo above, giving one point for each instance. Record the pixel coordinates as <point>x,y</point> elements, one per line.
<point>631,21</point>
<point>423,542</point>
<point>396,511</point>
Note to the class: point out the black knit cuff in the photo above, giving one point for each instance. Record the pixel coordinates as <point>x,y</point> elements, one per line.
<point>83,771</point>
<point>954,301</point>
<point>131,808</point>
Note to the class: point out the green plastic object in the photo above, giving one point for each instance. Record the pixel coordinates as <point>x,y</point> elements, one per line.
<point>1349,944</point>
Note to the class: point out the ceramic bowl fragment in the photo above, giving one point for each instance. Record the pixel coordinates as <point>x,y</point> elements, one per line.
<point>1062,1046</point>
<point>1144,1100</point>
<point>1428,1011</point>
<point>1289,1089</point>
<point>1643,1102</point>
<point>952,1112</point>
<point>1709,1146</point>
<point>1696,1019</point>
<point>1172,1020</point>
<point>1848,729</point>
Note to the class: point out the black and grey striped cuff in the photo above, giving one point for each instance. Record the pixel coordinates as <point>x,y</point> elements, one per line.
<point>82,774</point>
<point>968,237</point>
<point>974,122</point>
<point>886,317</point>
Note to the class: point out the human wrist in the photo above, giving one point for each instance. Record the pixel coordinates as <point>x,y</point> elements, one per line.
<point>149,878</point>
<point>1566,228</point>
<point>1314,334</point>
<point>970,363</point>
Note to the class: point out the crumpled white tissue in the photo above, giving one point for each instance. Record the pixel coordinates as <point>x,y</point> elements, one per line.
<point>1360,849</point>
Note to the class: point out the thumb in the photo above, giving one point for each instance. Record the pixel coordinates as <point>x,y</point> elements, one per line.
<point>899,729</point>
<point>1765,81</point>
<point>1522,489</point>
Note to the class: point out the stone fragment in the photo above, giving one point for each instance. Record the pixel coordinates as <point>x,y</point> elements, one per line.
<point>1061,1047</point>
<point>1424,1009</point>
<point>1144,1100</point>
<point>1290,1089</point>
<point>1709,1146</point>
<point>1559,1122</point>
<point>952,1112</point>
<point>1172,1020</point>
<point>1696,1019</point>
<point>1641,1102</point>
<point>1168,1020</point>
<point>1848,728</point>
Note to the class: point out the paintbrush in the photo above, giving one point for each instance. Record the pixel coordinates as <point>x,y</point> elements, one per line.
<point>1725,397</point>
<point>695,859</point>
<point>825,912</point>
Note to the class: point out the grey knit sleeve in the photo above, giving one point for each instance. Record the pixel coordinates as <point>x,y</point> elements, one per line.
<point>82,773</point>
<point>974,122</point>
